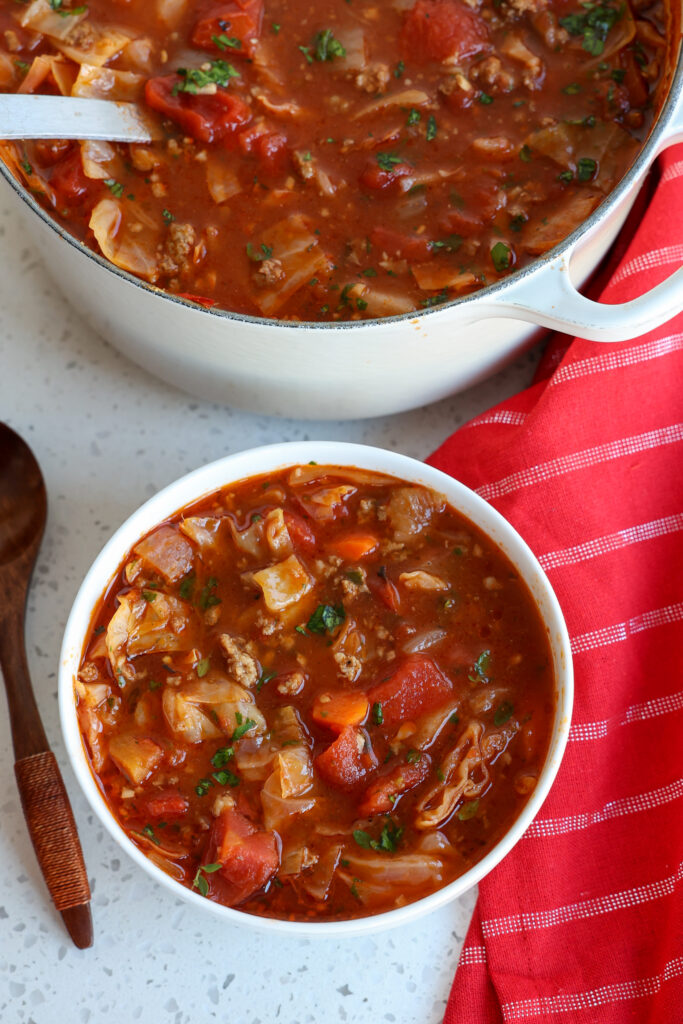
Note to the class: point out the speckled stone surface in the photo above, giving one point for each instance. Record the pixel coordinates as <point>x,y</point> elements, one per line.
<point>108,436</point>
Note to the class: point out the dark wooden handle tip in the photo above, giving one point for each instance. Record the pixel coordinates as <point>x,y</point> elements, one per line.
<point>53,832</point>
<point>78,922</point>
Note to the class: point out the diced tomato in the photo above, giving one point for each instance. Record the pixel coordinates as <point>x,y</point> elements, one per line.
<point>378,178</point>
<point>480,201</point>
<point>386,591</point>
<point>417,685</point>
<point>167,803</point>
<point>201,300</point>
<point>437,29</point>
<point>300,532</point>
<point>272,152</point>
<point>405,247</point>
<point>230,28</point>
<point>348,761</point>
<point>68,179</point>
<point>461,222</point>
<point>205,118</point>
<point>248,858</point>
<point>381,794</point>
<point>338,708</point>
<point>50,151</point>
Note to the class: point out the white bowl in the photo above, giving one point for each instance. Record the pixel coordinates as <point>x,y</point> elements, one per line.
<point>268,459</point>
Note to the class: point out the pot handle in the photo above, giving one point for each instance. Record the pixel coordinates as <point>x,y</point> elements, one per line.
<point>548,298</point>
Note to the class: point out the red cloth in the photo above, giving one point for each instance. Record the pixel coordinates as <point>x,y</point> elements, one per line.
<point>583,921</point>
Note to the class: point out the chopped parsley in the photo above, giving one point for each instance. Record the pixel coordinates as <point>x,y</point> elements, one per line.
<point>326,618</point>
<point>414,116</point>
<point>149,832</point>
<point>432,128</point>
<point>264,678</point>
<point>243,725</point>
<point>275,27</point>
<point>485,98</point>
<point>199,881</point>
<point>194,79</point>
<point>224,42</point>
<point>115,187</point>
<point>187,587</point>
<point>468,810</point>
<point>203,787</point>
<point>222,756</point>
<point>203,667</point>
<point>586,168</point>
<point>501,256</point>
<point>594,24</point>
<point>389,838</point>
<point>355,575</point>
<point>327,47</point>
<point>207,598</point>
<point>572,89</point>
<point>377,713</point>
<point>503,713</point>
<point>525,154</point>
<point>413,756</point>
<point>399,69</point>
<point>64,12</point>
<point>149,595</point>
<point>255,256</point>
<point>154,684</point>
<point>481,667</point>
<point>226,778</point>
<point>565,176</point>
<point>435,300</point>
<point>450,244</point>
<point>387,161</point>
<point>167,215</point>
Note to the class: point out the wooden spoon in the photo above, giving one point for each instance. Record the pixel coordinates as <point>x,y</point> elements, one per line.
<point>24,116</point>
<point>23,510</point>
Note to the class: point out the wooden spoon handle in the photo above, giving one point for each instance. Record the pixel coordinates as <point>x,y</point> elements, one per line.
<point>53,832</point>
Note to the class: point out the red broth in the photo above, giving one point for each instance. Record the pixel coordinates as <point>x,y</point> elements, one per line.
<point>340,160</point>
<point>319,694</point>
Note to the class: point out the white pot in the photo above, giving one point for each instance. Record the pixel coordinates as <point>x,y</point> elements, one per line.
<point>364,368</point>
<point>218,474</point>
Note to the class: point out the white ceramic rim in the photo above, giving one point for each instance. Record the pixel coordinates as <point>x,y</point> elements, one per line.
<point>209,478</point>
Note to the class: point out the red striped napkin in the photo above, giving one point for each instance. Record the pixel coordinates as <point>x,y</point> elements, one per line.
<point>583,921</point>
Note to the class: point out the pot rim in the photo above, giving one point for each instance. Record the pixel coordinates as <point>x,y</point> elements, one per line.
<point>647,153</point>
<point>265,459</point>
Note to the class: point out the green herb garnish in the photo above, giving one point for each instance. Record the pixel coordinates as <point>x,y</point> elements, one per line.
<point>501,256</point>
<point>468,810</point>
<point>194,79</point>
<point>326,618</point>
<point>503,712</point>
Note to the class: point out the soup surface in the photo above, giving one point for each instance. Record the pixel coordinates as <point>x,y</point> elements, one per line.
<point>319,694</point>
<point>337,160</point>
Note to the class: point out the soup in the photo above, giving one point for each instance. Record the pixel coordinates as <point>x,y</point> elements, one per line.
<point>319,694</point>
<point>336,161</point>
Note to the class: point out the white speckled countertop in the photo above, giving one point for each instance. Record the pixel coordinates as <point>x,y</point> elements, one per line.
<point>107,437</point>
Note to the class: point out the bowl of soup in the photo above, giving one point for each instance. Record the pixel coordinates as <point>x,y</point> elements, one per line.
<point>316,688</point>
<point>353,208</point>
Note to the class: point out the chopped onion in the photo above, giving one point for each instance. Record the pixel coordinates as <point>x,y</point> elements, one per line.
<point>424,640</point>
<point>406,98</point>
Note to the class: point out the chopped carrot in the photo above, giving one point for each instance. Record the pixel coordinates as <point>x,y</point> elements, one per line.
<point>339,708</point>
<point>355,546</point>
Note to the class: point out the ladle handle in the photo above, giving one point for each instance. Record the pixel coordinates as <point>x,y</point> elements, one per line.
<point>44,798</point>
<point>55,839</point>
